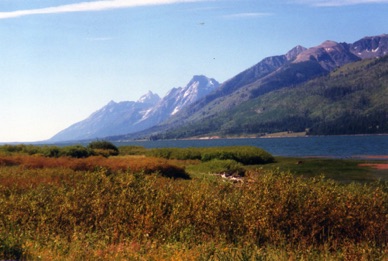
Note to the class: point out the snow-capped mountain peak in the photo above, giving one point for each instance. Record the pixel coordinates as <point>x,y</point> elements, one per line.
<point>117,118</point>
<point>178,98</point>
<point>203,81</point>
<point>198,87</point>
<point>149,97</point>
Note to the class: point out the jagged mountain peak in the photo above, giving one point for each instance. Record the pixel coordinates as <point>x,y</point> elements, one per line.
<point>294,52</point>
<point>108,106</point>
<point>149,97</point>
<point>314,53</point>
<point>328,43</point>
<point>173,92</point>
<point>178,98</point>
<point>374,38</point>
<point>371,46</point>
<point>329,55</point>
<point>111,103</point>
<point>199,78</point>
<point>202,82</point>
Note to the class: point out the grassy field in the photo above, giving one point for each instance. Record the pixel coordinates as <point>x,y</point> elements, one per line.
<point>344,171</point>
<point>211,204</point>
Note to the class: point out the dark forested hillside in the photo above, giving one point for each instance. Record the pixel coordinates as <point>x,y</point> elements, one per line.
<point>350,100</point>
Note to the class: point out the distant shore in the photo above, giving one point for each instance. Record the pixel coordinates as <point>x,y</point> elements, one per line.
<point>283,134</point>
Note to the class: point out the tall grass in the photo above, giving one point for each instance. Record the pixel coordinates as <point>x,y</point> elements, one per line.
<point>94,148</point>
<point>247,155</point>
<point>115,211</point>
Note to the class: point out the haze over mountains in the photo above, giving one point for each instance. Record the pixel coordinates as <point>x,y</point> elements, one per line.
<point>129,116</point>
<point>252,97</point>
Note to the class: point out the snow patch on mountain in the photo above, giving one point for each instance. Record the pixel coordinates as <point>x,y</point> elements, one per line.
<point>129,116</point>
<point>149,98</point>
<point>180,97</point>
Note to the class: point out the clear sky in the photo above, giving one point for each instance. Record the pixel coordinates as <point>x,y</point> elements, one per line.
<point>62,60</point>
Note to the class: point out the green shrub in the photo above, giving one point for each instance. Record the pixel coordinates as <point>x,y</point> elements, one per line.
<point>164,153</point>
<point>216,166</point>
<point>103,148</point>
<point>12,148</point>
<point>52,151</point>
<point>176,153</point>
<point>76,151</point>
<point>132,150</point>
<point>247,155</point>
<point>187,154</point>
<point>217,155</point>
<point>21,148</point>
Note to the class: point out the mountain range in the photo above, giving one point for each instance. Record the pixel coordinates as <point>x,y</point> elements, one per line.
<point>129,116</point>
<point>251,102</point>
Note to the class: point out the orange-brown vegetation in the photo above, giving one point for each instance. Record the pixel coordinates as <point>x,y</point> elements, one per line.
<point>134,164</point>
<point>375,165</point>
<point>100,208</point>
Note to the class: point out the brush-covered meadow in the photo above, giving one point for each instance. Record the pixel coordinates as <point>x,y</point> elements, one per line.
<point>101,202</point>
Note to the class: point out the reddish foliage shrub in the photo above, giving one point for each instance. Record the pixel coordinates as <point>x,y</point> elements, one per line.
<point>132,164</point>
<point>8,161</point>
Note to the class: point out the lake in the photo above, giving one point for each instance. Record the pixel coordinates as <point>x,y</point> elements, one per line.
<point>315,146</point>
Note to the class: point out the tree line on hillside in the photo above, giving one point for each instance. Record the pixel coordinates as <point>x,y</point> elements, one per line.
<point>350,100</point>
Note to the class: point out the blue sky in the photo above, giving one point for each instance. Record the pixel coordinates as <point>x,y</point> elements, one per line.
<point>62,60</point>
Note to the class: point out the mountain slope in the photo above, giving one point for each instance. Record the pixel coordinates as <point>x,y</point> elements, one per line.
<point>260,70</point>
<point>128,116</point>
<point>350,100</point>
<point>329,55</point>
<point>275,73</point>
<point>370,47</point>
<point>203,106</point>
<point>270,74</point>
<point>112,119</point>
<point>179,98</point>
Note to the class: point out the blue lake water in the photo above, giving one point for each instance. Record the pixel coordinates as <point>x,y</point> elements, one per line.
<point>315,146</point>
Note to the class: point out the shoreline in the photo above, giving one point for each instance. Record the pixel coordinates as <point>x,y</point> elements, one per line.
<point>274,135</point>
<point>377,166</point>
